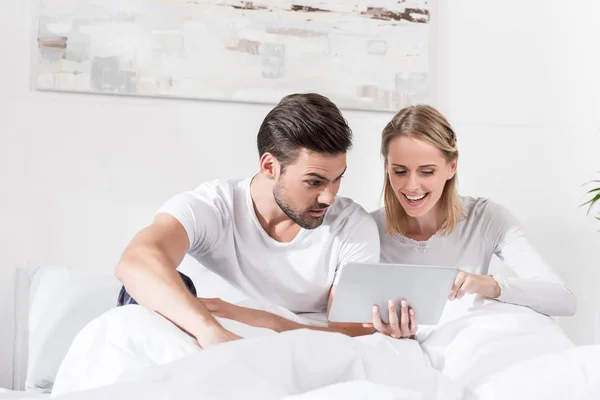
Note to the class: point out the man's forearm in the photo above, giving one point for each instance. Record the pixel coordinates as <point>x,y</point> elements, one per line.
<point>153,282</point>
<point>280,324</point>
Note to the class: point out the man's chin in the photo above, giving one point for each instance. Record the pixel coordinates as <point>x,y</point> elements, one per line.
<point>310,222</point>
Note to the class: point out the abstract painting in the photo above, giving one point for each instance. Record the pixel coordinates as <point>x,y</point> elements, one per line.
<point>368,54</point>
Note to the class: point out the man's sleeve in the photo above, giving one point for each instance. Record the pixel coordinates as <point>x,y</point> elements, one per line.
<point>362,245</point>
<point>202,215</point>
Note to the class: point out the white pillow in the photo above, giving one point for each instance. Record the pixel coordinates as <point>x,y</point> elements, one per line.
<point>64,300</point>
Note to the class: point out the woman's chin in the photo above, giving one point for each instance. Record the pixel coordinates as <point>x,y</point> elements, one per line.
<point>416,212</point>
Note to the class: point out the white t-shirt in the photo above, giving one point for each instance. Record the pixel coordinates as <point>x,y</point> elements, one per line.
<point>488,229</point>
<point>227,238</point>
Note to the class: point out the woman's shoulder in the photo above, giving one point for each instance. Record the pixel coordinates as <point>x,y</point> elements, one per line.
<point>379,216</point>
<point>484,211</point>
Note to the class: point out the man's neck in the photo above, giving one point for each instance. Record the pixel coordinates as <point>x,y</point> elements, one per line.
<point>270,216</point>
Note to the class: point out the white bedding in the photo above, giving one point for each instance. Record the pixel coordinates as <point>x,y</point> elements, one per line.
<point>490,351</point>
<point>480,350</point>
<point>116,347</point>
<point>6,394</point>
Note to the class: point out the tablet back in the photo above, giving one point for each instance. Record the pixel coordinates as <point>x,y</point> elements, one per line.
<point>362,285</point>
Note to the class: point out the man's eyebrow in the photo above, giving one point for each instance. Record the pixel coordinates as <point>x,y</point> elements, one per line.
<point>322,177</point>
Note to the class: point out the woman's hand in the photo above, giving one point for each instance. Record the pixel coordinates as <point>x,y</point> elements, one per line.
<point>467,283</point>
<point>405,328</point>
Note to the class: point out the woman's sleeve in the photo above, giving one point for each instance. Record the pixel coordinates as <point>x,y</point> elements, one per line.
<point>537,285</point>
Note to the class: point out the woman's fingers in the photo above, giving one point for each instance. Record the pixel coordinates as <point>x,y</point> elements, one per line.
<point>458,282</point>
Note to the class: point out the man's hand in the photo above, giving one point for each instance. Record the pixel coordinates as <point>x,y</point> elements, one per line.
<point>406,327</point>
<point>467,283</point>
<point>214,335</point>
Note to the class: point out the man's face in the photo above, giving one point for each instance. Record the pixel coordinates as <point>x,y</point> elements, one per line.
<point>308,186</point>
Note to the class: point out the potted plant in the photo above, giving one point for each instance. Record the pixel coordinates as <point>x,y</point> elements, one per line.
<point>595,197</point>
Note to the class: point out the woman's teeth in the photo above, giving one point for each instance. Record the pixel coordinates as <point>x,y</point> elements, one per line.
<point>415,198</point>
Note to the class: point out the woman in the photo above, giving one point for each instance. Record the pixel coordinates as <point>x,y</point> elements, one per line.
<point>426,222</point>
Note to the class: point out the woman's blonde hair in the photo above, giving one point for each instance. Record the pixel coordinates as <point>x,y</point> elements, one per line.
<point>425,123</point>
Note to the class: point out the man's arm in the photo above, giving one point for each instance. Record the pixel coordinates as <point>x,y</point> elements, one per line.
<point>280,324</point>
<point>265,319</point>
<point>148,270</point>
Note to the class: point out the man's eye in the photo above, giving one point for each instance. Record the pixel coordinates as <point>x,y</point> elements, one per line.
<point>313,183</point>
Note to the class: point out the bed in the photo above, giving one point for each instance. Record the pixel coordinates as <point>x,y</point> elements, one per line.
<point>481,350</point>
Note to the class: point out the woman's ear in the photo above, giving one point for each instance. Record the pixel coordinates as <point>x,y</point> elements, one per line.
<point>453,167</point>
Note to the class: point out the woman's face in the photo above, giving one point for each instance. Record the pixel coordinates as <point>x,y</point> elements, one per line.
<point>418,172</point>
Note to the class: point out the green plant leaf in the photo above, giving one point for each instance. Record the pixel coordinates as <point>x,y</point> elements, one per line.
<point>591,202</point>
<point>594,190</point>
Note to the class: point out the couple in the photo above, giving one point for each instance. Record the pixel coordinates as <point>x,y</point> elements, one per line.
<point>283,236</point>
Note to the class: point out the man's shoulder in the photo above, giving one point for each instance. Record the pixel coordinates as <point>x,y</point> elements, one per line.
<point>219,196</point>
<point>226,189</point>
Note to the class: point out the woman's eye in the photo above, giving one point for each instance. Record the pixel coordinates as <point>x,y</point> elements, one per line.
<point>400,172</point>
<point>427,172</point>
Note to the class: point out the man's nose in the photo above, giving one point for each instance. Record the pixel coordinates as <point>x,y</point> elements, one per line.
<point>326,197</point>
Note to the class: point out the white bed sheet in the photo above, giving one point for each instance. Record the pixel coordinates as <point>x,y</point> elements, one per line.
<point>481,351</point>
<point>7,394</point>
<point>288,364</point>
<point>116,347</point>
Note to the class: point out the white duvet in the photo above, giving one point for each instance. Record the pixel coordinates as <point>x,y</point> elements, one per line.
<point>483,351</point>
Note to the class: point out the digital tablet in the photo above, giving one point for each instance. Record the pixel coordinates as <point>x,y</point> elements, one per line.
<point>363,285</point>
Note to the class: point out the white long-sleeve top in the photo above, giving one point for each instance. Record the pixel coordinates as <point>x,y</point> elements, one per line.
<point>488,229</point>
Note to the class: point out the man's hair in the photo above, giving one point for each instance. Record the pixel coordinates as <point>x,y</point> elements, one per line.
<point>303,121</point>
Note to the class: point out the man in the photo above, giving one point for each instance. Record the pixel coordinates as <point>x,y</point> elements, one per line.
<point>281,236</point>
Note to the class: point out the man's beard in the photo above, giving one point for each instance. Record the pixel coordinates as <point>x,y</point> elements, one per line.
<point>302,218</point>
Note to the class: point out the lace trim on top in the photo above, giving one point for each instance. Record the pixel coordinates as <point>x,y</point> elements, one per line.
<point>422,246</point>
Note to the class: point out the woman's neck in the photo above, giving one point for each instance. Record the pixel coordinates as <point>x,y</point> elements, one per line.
<point>424,227</point>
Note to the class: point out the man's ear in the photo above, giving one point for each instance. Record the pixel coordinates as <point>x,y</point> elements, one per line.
<point>269,166</point>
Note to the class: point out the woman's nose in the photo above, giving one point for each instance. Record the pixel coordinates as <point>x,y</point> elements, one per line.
<point>412,184</point>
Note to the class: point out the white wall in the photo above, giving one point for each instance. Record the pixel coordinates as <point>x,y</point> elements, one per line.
<point>79,174</point>
<point>524,93</point>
